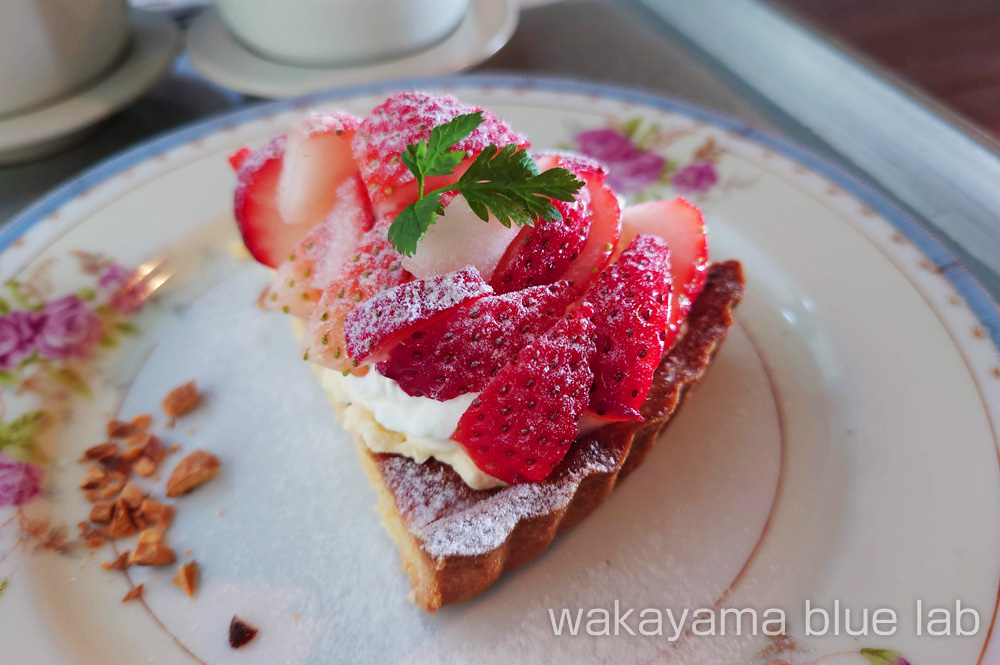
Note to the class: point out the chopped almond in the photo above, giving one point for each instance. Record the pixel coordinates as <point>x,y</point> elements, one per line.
<point>152,554</point>
<point>101,512</point>
<point>134,593</point>
<point>186,578</point>
<point>92,495</point>
<point>240,632</point>
<point>197,468</point>
<point>112,487</point>
<point>153,512</point>
<point>121,525</point>
<point>145,467</point>
<point>142,421</point>
<point>101,451</point>
<point>181,400</point>
<point>132,495</point>
<point>150,536</point>
<point>121,563</point>
<point>93,479</point>
<point>139,439</point>
<point>119,464</point>
<point>153,449</point>
<point>132,454</point>
<point>119,429</point>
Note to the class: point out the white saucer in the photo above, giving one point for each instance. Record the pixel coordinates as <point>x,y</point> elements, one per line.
<point>222,59</point>
<point>48,129</point>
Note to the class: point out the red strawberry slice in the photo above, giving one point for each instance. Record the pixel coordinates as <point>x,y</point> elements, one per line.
<point>682,226</point>
<point>323,254</point>
<point>464,351</point>
<point>406,118</point>
<point>318,159</point>
<point>374,267</point>
<point>268,238</point>
<point>632,301</point>
<point>382,322</point>
<point>522,424</point>
<point>605,226</point>
<point>541,254</point>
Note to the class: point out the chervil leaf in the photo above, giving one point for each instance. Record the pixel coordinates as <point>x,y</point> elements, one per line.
<point>412,223</point>
<point>504,182</point>
<point>435,156</point>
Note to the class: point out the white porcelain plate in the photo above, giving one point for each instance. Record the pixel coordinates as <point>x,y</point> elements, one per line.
<point>841,449</point>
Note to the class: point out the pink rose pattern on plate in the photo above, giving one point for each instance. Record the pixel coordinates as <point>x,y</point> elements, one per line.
<point>45,342</point>
<point>634,167</point>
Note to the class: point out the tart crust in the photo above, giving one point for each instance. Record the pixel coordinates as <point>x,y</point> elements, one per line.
<point>455,541</point>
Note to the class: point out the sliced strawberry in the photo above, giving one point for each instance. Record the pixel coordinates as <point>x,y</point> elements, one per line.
<point>318,159</point>
<point>682,226</point>
<point>522,424</point>
<point>605,220</point>
<point>322,255</point>
<point>464,351</point>
<point>373,268</point>
<point>268,238</point>
<point>237,158</point>
<point>632,301</point>
<point>382,322</point>
<point>406,118</point>
<point>542,254</point>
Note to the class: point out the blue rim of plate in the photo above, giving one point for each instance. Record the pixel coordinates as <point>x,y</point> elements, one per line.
<point>978,299</point>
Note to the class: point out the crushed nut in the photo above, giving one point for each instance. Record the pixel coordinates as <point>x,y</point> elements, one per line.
<point>142,421</point>
<point>132,454</point>
<point>145,467</point>
<point>119,429</point>
<point>121,563</point>
<point>92,495</point>
<point>134,593</point>
<point>119,464</point>
<point>152,554</point>
<point>152,512</point>
<point>150,536</point>
<point>101,512</point>
<point>186,578</point>
<point>112,486</point>
<point>197,468</point>
<point>181,400</point>
<point>240,632</point>
<point>139,439</point>
<point>93,479</point>
<point>121,525</point>
<point>132,495</point>
<point>100,452</point>
<point>153,449</point>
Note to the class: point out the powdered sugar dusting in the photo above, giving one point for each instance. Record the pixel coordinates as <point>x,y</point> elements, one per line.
<point>461,353</point>
<point>334,121</point>
<point>409,117</point>
<point>378,324</point>
<point>487,524</point>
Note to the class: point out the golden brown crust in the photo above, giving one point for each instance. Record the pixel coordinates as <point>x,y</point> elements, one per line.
<point>455,541</point>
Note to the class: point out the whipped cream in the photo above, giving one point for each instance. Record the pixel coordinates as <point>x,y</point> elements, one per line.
<point>425,425</point>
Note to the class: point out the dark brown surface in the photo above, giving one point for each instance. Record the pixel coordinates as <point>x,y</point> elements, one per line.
<point>416,490</point>
<point>948,48</point>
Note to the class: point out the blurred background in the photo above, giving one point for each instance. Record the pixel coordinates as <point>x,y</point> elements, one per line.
<point>905,93</point>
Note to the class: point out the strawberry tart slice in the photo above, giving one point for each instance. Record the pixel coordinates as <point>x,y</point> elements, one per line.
<point>503,341</point>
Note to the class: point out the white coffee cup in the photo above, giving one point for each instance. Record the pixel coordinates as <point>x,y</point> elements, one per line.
<point>49,48</point>
<point>337,32</point>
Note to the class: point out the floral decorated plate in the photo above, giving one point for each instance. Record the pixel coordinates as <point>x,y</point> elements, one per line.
<point>839,461</point>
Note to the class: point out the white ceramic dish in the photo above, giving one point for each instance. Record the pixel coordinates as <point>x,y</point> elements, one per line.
<point>843,446</point>
<point>222,59</point>
<point>53,127</point>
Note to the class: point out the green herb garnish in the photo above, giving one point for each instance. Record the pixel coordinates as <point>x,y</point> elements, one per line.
<point>503,181</point>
